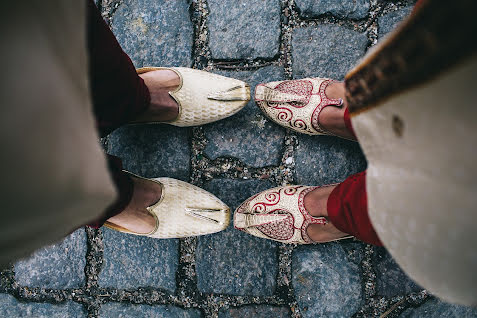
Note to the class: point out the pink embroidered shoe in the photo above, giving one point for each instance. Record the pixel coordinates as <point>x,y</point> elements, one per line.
<point>278,214</point>
<point>296,104</point>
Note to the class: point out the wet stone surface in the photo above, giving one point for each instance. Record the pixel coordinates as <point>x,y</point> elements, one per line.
<point>113,310</point>
<point>390,21</point>
<point>233,262</point>
<point>436,308</point>
<point>352,9</point>
<point>248,135</point>
<point>132,261</point>
<point>326,284</point>
<point>321,160</point>
<point>255,311</point>
<point>391,281</point>
<point>42,268</point>
<point>326,51</point>
<point>244,29</point>
<point>155,33</point>
<point>12,308</point>
<point>152,150</point>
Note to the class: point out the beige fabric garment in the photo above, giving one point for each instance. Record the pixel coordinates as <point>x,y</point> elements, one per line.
<point>54,175</point>
<point>422,185</point>
<point>413,108</point>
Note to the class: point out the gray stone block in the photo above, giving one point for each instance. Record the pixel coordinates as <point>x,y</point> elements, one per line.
<point>12,308</point>
<point>231,261</point>
<point>391,280</point>
<point>244,29</point>
<point>132,261</point>
<point>346,9</point>
<point>153,150</point>
<point>390,21</point>
<point>326,283</point>
<point>436,308</point>
<point>322,160</point>
<point>57,266</point>
<point>326,51</point>
<point>248,135</point>
<point>155,33</point>
<point>114,310</point>
<point>256,311</point>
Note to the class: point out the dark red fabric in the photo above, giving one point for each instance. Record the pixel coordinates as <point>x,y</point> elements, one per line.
<point>347,121</point>
<point>118,95</point>
<point>348,209</point>
<point>117,92</point>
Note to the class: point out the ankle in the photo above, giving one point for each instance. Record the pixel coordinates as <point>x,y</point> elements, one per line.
<point>334,119</point>
<point>316,201</point>
<point>162,106</point>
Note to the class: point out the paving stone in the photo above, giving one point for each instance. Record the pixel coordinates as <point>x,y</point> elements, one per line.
<point>231,261</point>
<point>155,32</point>
<point>12,308</point>
<point>248,135</point>
<point>153,150</point>
<point>244,29</point>
<point>322,160</point>
<point>391,280</point>
<point>436,308</point>
<point>326,51</point>
<point>390,21</point>
<point>57,266</point>
<point>257,311</point>
<point>326,283</point>
<point>132,261</point>
<point>345,9</point>
<point>114,310</point>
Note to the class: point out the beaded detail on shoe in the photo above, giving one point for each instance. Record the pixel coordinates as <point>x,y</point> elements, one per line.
<point>278,214</point>
<point>296,104</point>
<point>205,97</point>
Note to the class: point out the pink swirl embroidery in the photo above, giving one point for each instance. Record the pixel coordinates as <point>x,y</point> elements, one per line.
<point>290,190</point>
<point>285,114</point>
<point>299,124</point>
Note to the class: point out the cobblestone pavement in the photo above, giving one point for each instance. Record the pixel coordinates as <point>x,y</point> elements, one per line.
<point>102,273</point>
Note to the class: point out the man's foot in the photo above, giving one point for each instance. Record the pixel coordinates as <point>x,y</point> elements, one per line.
<point>183,210</point>
<point>316,204</point>
<point>135,217</point>
<point>162,107</point>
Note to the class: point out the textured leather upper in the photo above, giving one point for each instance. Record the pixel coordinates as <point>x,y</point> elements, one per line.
<point>174,211</point>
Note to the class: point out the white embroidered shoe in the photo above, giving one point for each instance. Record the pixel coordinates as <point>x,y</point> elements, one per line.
<point>278,214</point>
<point>296,104</point>
<point>204,97</point>
<point>184,210</point>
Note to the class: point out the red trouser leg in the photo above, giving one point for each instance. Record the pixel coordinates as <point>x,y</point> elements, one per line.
<point>348,209</point>
<point>118,95</point>
<point>348,204</point>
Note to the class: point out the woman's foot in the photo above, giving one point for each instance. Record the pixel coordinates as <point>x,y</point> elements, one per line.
<point>289,214</point>
<point>332,118</point>
<point>163,107</point>
<point>315,203</point>
<point>135,217</point>
<point>313,106</point>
